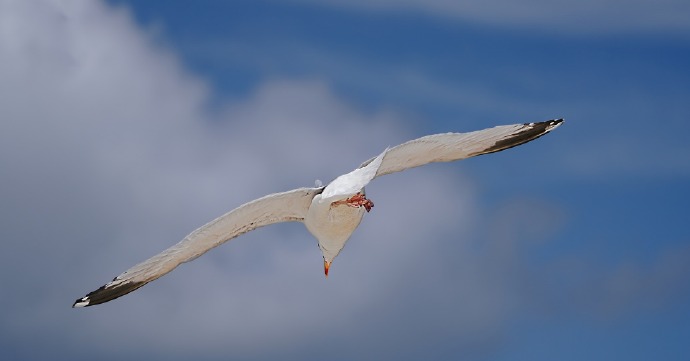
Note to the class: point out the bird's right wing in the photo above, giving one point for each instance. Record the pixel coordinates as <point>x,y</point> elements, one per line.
<point>448,147</point>
<point>279,207</point>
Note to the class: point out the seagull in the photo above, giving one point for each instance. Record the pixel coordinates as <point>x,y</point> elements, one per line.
<point>331,213</point>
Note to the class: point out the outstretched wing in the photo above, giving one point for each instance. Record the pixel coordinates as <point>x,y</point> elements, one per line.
<point>279,207</point>
<point>455,146</point>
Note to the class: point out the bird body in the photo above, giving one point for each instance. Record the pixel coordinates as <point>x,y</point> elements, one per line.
<point>331,218</point>
<point>332,226</point>
<point>331,213</point>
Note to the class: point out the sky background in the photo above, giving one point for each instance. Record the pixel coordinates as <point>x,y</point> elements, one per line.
<point>125,125</point>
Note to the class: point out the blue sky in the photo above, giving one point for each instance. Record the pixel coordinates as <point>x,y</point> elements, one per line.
<point>125,125</point>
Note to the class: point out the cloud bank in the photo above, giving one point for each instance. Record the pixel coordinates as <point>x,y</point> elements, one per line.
<point>110,155</point>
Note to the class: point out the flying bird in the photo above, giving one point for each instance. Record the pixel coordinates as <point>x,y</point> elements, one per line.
<point>330,213</point>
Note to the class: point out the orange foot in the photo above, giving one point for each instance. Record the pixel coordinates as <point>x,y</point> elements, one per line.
<point>358,200</point>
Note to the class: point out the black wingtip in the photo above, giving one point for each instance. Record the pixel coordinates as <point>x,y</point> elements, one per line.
<point>553,123</point>
<point>81,302</point>
<point>528,133</point>
<point>107,293</point>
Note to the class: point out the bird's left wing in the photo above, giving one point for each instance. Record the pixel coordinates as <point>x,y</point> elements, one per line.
<point>279,207</point>
<point>455,146</point>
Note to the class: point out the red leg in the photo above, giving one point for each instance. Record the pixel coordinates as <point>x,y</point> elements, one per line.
<point>358,200</point>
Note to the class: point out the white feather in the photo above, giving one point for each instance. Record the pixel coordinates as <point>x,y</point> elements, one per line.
<point>349,184</point>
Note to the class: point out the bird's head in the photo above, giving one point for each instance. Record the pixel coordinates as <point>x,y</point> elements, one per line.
<point>326,266</point>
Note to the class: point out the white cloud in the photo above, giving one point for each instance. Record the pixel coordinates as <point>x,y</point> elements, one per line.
<point>111,156</point>
<point>580,17</point>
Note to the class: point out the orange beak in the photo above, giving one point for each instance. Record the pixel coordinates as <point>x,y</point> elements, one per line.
<point>326,266</point>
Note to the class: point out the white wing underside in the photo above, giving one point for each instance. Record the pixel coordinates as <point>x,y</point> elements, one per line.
<point>455,146</point>
<point>293,205</point>
<point>274,208</point>
<point>349,184</point>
